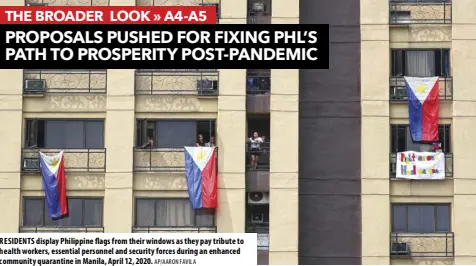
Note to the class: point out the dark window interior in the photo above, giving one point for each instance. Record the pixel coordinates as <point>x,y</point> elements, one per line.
<point>421,218</point>
<point>260,124</point>
<point>402,141</point>
<point>258,81</point>
<point>174,133</point>
<point>64,134</point>
<point>420,63</point>
<point>82,212</point>
<point>259,7</point>
<point>257,213</point>
<point>171,212</point>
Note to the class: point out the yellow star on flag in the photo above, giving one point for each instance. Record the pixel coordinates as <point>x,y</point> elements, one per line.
<point>421,88</point>
<point>54,162</point>
<point>200,156</point>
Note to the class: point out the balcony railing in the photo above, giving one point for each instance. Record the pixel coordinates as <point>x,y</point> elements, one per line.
<point>420,12</point>
<point>257,227</point>
<point>68,2</point>
<point>79,160</point>
<point>201,82</point>
<point>258,18</point>
<point>448,165</point>
<point>175,2</point>
<point>422,245</point>
<point>39,81</point>
<point>258,81</point>
<point>174,229</point>
<point>263,155</point>
<point>60,229</point>
<point>159,160</point>
<point>398,90</point>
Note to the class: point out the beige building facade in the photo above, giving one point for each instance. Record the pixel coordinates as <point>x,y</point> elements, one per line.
<point>305,208</point>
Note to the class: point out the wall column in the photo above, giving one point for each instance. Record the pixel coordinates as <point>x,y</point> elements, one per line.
<point>464,129</point>
<point>375,131</point>
<point>118,199</point>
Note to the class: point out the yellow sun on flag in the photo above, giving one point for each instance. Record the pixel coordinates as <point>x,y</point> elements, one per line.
<point>200,156</point>
<point>421,88</point>
<point>54,162</point>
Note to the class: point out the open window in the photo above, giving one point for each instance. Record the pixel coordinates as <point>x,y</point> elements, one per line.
<point>420,63</point>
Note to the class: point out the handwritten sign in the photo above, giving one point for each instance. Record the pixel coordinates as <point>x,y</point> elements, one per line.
<point>420,165</point>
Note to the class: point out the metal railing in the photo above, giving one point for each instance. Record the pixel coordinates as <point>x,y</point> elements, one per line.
<point>398,89</point>
<point>79,160</point>
<point>201,82</point>
<point>174,229</point>
<point>257,227</point>
<point>422,244</point>
<point>263,154</point>
<point>258,18</point>
<point>60,229</point>
<point>37,81</point>
<point>420,12</point>
<point>258,81</point>
<point>68,2</point>
<point>448,165</point>
<point>175,2</point>
<point>159,160</point>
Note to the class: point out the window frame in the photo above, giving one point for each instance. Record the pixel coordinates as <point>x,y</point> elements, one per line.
<point>435,216</point>
<point>397,66</point>
<point>44,216</point>
<point>445,128</point>
<point>195,213</point>
<point>143,124</point>
<point>34,130</point>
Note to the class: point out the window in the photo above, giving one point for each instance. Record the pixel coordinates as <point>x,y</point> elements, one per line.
<point>64,134</point>
<point>173,133</point>
<point>259,7</point>
<point>420,63</point>
<point>258,81</point>
<point>419,218</point>
<point>401,139</point>
<point>171,212</point>
<point>82,213</point>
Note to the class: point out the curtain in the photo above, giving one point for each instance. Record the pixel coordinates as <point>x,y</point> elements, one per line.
<point>145,212</point>
<point>176,134</point>
<point>33,212</point>
<point>421,219</point>
<point>64,134</point>
<point>176,212</point>
<point>420,63</point>
<point>93,210</point>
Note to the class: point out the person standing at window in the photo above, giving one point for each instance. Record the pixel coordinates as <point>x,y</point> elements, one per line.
<point>255,149</point>
<point>201,141</point>
<point>211,143</point>
<point>150,143</point>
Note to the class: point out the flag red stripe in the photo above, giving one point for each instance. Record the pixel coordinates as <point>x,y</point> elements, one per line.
<point>61,181</point>
<point>430,110</point>
<point>209,183</point>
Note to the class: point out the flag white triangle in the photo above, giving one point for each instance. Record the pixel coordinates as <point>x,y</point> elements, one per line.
<point>421,87</point>
<point>200,155</point>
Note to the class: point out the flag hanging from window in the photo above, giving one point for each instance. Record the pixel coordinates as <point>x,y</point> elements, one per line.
<point>54,183</point>
<point>423,103</point>
<point>201,172</point>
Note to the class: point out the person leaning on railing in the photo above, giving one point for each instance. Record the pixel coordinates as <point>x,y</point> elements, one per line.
<point>149,144</point>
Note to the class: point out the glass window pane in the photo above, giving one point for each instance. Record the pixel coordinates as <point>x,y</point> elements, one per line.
<point>33,212</point>
<point>205,217</point>
<point>421,218</point>
<point>444,218</point>
<point>420,63</point>
<point>145,212</point>
<point>176,134</point>
<point>93,210</point>
<point>399,218</point>
<point>75,217</point>
<point>176,212</point>
<point>55,134</point>
<point>94,134</point>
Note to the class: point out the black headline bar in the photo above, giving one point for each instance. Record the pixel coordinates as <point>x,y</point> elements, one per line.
<point>222,46</point>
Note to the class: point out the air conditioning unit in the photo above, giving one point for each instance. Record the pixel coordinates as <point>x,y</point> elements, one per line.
<point>37,4</point>
<point>258,7</point>
<point>257,218</point>
<point>258,198</point>
<point>34,86</point>
<point>31,164</point>
<point>400,249</point>
<point>400,17</point>
<point>217,6</point>
<point>400,93</point>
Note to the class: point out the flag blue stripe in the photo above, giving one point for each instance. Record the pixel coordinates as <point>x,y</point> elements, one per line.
<point>51,191</point>
<point>415,114</point>
<point>194,181</point>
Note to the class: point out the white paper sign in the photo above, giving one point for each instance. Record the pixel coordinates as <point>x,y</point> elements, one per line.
<point>420,165</point>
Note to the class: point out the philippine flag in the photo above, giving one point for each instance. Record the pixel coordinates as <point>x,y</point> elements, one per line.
<point>54,183</point>
<point>423,103</point>
<point>201,172</point>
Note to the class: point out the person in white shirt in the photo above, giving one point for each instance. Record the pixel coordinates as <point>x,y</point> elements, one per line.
<point>255,149</point>
<point>211,143</point>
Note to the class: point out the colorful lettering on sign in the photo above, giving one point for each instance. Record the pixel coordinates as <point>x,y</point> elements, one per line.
<point>412,171</point>
<point>413,158</point>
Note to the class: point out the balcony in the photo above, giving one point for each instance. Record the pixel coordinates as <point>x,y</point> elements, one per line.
<point>175,229</point>
<point>405,12</point>
<point>62,229</point>
<point>68,2</point>
<point>257,179</point>
<point>75,160</point>
<point>398,90</point>
<point>448,165</point>
<point>413,245</point>
<point>258,89</point>
<point>200,82</point>
<point>64,81</point>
